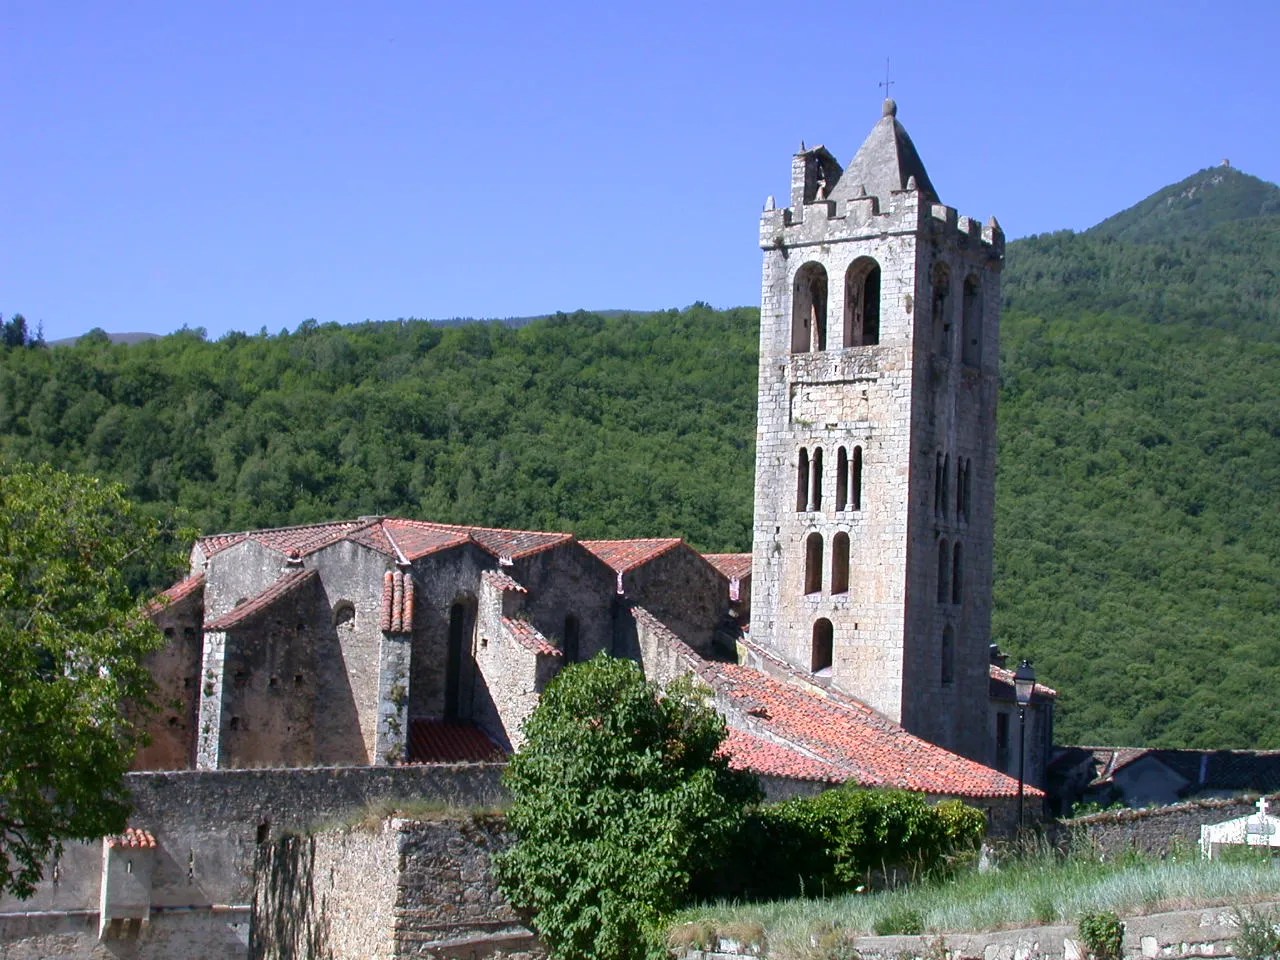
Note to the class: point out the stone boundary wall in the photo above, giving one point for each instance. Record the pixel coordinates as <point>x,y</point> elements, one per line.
<point>398,888</point>
<point>1152,830</point>
<point>1205,932</point>
<point>208,825</point>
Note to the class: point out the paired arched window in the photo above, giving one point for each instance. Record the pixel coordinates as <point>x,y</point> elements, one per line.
<point>944,571</point>
<point>957,574</point>
<point>849,479</point>
<point>802,482</point>
<point>823,647</point>
<point>971,321</point>
<point>840,563</point>
<point>813,563</point>
<point>964,488</point>
<point>862,303</point>
<point>941,310</point>
<point>815,480</point>
<point>809,309</point>
<point>948,655</point>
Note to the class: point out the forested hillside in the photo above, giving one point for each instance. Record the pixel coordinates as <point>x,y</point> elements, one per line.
<point>1138,550</point>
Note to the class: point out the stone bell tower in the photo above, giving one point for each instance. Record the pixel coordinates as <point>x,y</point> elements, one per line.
<point>876,438</point>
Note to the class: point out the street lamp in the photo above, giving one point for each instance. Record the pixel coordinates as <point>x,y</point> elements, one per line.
<point>1024,685</point>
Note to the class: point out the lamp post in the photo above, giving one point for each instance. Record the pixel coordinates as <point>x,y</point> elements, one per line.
<point>1024,685</point>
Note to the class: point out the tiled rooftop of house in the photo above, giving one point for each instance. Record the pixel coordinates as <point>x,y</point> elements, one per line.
<point>625,555</point>
<point>1002,685</point>
<point>284,587</point>
<point>397,538</point>
<point>450,741</point>
<point>178,592</point>
<point>735,566</point>
<point>527,635</point>
<point>747,752</point>
<point>133,838</point>
<point>866,747</point>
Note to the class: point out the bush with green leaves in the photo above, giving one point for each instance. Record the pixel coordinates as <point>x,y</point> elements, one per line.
<point>619,796</point>
<point>843,839</point>
<point>1102,935</point>
<point>1259,936</point>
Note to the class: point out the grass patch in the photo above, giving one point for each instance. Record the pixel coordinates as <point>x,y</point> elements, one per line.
<point>1036,890</point>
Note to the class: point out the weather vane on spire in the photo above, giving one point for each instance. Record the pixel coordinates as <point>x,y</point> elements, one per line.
<point>886,82</point>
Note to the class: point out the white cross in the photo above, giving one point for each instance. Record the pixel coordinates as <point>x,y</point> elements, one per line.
<point>1262,807</point>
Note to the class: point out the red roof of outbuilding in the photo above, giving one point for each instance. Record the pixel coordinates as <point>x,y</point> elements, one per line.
<point>286,586</point>
<point>624,555</point>
<point>502,581</point>
<point>133,838</point>
<point>448,741</point>
<point>735,566</point>
<point>527,635</point>
<point>747,752</point>
<point>179,591</point>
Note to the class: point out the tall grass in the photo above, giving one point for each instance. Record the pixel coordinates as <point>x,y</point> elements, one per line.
<point>1041,889</point>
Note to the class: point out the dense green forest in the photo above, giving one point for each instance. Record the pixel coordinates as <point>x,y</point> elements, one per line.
<point>1138,552</point>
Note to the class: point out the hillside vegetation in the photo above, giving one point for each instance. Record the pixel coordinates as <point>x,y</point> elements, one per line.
<point>1138,554</point>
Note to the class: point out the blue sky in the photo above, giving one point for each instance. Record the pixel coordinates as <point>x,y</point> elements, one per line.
<point>249,165</point>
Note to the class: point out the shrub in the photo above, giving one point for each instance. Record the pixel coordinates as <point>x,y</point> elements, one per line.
<point>1258,938</point>
<point>900,920</point>
<point>1102,935</point>
<point>620,796</point>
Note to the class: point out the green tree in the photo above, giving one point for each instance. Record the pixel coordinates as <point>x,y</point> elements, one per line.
<point>620,797</point>
<point>72,639</point>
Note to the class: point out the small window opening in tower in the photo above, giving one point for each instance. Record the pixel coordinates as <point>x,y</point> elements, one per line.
<point>968,487</point>
<point>957,574</point>
<point>840,563</point>
<point>862,303</point>
<point>937,486</point>
<point>802,482</point>
<point>344,613</point>
<point>855,480</point>
<point>809,309</point>
<point>842,478</point>
<point>960,470</point>
<point>823,648</point>
<point>944,572</point>
<point>971,322</point>
<point>945,495</point>
<point>941,311</point>
<point>572,632</point>
<point>815,480</point>
<point>948,655</point>
<point>813,563</point>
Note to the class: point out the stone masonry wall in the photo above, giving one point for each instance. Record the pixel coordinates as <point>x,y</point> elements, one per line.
<point>176,671</point>
<point>1155,830</point>
<point>400,888</point>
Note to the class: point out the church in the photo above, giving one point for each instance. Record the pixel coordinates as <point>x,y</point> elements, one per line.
<point>852,644</point>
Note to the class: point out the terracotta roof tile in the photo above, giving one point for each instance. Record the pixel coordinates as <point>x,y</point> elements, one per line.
<point>285,587</point>
<point>178,592</point>
<point>872,750</point>
<point>502,581</point>
<point>1002,685</point>
<point>527,635</point>
<point>735,566</point>
<point>394,537</point>
<point>448,741</point>
<point>624,555</point>
<point>132,838</point>
<point>747,752</point>
<point>397,602</point>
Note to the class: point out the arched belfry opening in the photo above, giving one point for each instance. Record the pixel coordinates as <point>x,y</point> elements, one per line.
<point>942,310</point>
<point>862,303</point>
<point>462,618</point>
<point>971,321</point>
<point>809,309</point>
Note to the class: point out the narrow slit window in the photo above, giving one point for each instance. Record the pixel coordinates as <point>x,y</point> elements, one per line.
<point>813,564</point>
<point>855,480</point>
<point>944,572</point>
<point>957,574</point>
<point>815,480</point>
<point>840,563</point>
<point>802,482</point>
<point>842,479</point>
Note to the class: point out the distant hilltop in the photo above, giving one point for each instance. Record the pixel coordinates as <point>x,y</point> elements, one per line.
<point>113,337</point>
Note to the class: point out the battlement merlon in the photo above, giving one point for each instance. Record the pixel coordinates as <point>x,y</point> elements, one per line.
<point>858,218</point>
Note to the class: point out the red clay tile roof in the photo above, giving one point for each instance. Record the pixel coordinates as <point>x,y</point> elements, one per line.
<point>624,555</point>
<point>735,566</point>
<point>286,586</point>
<point>527,635</point>
<point>397,538</point>
<point>397,602</point>
<point>133,838</point>
<point>179,591</point>
<point>1002,685</point>
<point>867,747</point>
<point>448,741</point>
<point>747,752</point>
<point>502,581</point>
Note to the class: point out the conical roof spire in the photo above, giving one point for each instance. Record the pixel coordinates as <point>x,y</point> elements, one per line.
<point>886,162</point>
